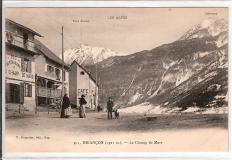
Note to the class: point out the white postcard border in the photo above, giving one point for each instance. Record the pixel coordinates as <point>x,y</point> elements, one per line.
<point>138,4</point>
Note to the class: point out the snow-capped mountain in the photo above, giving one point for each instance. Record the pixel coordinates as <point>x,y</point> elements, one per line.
<point>208,28</point>
<point>88,55</point>
<point>191,70</point>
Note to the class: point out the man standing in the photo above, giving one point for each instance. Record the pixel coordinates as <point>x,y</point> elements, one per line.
<point>82,102</point>
<point>110,105</point>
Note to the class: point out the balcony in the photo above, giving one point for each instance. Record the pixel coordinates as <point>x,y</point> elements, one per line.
<point>53,76</point>
<point>48,92</point>
<point>18,41</point>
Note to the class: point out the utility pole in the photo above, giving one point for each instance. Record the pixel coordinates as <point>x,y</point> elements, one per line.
<point>96,74</point>
<point>62,90</point>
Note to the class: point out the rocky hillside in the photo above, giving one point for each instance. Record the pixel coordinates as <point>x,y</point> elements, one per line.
<point>190,71</point>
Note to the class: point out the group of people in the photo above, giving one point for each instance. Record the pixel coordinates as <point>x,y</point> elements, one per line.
<point>66,110</point>
<point>66,107</point>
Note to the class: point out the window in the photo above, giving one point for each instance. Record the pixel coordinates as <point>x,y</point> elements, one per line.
<point>27,90</point>
<point>57,71</point>
<point>50,69</point>
<point>26,65</point>
<point>64,76</point>
<point>82,73</point>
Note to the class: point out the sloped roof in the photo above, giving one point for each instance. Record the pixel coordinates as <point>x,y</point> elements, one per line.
<point>48,53</point>
<point>23,27</point>
<point>90,75</point>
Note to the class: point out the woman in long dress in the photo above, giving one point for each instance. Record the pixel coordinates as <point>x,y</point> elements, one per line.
<point>65,105</point>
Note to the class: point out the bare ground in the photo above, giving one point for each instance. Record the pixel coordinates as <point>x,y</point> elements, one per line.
<point>186,130</point>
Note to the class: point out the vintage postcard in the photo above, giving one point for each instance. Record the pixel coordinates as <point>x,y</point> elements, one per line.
<point>116,80</point>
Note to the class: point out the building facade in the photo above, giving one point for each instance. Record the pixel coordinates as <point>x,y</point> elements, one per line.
<point>20,51</point>
<point>82,83</point>
<point>48,69</point>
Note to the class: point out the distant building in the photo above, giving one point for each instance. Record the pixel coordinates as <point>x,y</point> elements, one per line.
<point>82,83</point>
<point>20,51</point>
<point>48,69</point>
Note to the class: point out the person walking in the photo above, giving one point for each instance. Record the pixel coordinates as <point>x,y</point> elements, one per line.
<point>110,105</point>
<point>65,105</point>
<point>82,103</point>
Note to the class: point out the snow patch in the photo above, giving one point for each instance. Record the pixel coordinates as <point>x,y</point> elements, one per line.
<point>183,77</point>
<point>223,62</point>
<point>211,74</point>
<point>168,65</point>
<point>157,110</point>
<point>220,97</point>
<point>144,109</point>
<point>191,109</point>
<point>164,78</point>
<point>166,103</point>
<point>148,109</point>
<point>222,40</point>
<point>214,87</point>
<point>202,54</point>
<point>199,79</point>
<point>135,97</point>
<point>132,81</point>
<point>138,109</point>
<point>169,78</point>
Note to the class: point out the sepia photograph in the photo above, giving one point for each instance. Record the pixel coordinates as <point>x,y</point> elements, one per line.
<point>86,80</point>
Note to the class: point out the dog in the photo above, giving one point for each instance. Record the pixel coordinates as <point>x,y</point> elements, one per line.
<point>116,113</point>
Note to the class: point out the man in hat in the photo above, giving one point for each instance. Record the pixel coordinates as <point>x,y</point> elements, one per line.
<point>110,105</point>
<point>82,102</point>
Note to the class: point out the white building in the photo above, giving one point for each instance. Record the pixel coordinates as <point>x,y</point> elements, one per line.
<point>81,82</point>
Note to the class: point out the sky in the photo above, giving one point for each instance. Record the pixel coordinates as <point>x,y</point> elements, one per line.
<point>125,30</point>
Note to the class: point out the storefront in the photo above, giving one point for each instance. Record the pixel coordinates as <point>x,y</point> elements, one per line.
<point>19,66</point>
<point>20,80</point>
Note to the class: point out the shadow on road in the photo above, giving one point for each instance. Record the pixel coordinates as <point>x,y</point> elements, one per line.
<point>65,118</point>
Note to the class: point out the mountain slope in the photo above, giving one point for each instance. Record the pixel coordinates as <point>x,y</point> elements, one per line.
<point>191,70</point>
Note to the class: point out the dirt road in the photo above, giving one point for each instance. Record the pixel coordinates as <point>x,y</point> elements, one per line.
<point>186,132</point>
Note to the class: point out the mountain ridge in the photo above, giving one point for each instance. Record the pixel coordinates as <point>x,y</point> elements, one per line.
<point>184,68</point>
<point>88,55</point>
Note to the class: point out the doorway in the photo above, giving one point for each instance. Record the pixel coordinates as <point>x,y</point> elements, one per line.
<point>14,96</point>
